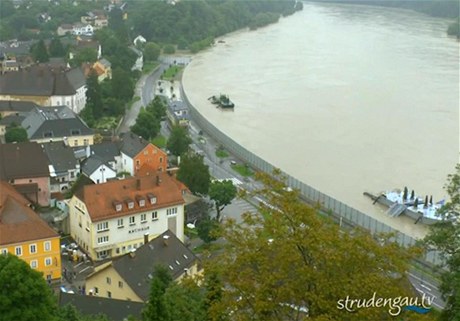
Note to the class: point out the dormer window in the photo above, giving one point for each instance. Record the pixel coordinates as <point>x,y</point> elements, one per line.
<point>130,204</point>
<point>118,206</point>
<point>152,198</point>
<point>140,201</point>
<point>74,132</point>
<point>47,134</point>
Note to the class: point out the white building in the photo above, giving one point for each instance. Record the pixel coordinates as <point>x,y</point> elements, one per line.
<point>111,219</point>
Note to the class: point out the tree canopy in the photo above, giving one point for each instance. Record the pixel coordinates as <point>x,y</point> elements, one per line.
<point>155,309</point>
<point>16,134</point>
<point>151,51</point>
<point>445,237</point>
<point>24,294</point>
<point>288,263</point>
<point>179,141</point>
<point>194,173</point>
<point>222,193</point>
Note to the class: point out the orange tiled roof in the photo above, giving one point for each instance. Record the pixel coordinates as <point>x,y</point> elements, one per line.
<point>100,199</point>
<point>18,222</point>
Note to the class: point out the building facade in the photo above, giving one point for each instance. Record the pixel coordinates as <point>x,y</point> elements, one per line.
<point>24,234</point>
<point>111,219</point>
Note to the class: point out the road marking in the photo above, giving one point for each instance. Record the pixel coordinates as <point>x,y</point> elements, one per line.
<point>79,264</point>
<point>421,280</point>
<point>424,286</point>
<point>86,268</point>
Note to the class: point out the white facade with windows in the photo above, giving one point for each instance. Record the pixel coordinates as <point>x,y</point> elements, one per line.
<point>121,234</point>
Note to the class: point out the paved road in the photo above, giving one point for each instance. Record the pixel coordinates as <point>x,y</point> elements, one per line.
<point>144,90</point>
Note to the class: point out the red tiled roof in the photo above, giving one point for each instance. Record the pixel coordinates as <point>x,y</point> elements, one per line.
<point>100,199</point>
<point>18,222</point>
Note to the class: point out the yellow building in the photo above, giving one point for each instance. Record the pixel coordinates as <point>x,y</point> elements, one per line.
<point>25,235</point>
<point>128,277</point>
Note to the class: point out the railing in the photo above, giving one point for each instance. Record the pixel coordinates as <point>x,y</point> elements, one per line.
<point>340,211</point>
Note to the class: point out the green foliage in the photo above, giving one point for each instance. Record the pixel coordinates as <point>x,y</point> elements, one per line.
<point>171,72</point>
<point>24,294</point>
<point>122,85</point>
<point>185,301</point>
<point>179,141</point>
<point>16,134</point>
<point>94,96</point>
<point>39,52</point>
<point>221,153</point>
<point>243,170</point>
<point>146,125</point>
<point>155,309</point>
<point>169,49</point>
<point>263,19</point>
<point>84,55</point>
<point>208,230</point>
<point>151,51</point>
<point>445,237</point>
<point>157,107</point>
<point>56,48</point>
<point>222,193</point>
<point>159,141</point>
<point>194,173</point>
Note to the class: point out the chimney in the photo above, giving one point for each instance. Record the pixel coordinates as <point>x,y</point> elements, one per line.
<point>165,240</point>
<point>146,238</point>
<point>132,253</point>
<point>138,184</point>
<point>158,180</point>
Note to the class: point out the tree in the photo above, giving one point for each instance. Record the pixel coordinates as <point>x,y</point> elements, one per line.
<point>56,48</point>
<point>169,49</point>
<point>146,125</point>
<point>288,263</point>
<point>155,309</point>
<point>39,52</point>
<point>84,55</point>
<point>94,96</point>
<point>16,134</point>
<point>157,107</point>
<point>445,237</point>
<point>179,141</point>
<point>207,229</point>
<point>185,301</point>
<point>222,193</point>
<point>24,293</point>
<point>151,51</point>
<point>194,173</point>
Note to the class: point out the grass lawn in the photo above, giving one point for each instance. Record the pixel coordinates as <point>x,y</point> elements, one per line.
<point>210,247</point>
<point>243,170</point>
<point>221,153</point>
<point>149,66</point>
<point>171,73</point>
<point>159,141</point>
<point>106,123</point>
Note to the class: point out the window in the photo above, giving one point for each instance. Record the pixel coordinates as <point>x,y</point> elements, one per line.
<point>130,205</point>
<point>120,223</point>
<point>143,218</point>
<point>48,261</point>
<point>132,220</point>
<point>118,207</point>
<point>18,250</point>
<point>138,162</point>
<point>72,174</point>
<point>74,132</point>
<point>47,246</point>
<point>154,216</point>
<point>161,159</point>
<point>120,284</point>
<point>85,142</point>
<point>171,211</point>
<point>109,294</point>
<point>153,199</point>
<point>33,248</point>
<point>109,280</point>
<point>75,142</point>
<point>96,290</point>
<point>104,226</point>
<point>4,251</point>
<point>142,203</point>
<point>102,239</point>
<point>33,264</point>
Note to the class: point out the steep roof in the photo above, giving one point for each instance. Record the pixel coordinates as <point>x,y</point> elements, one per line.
<point>136,268</point>
<point>115,310</point>
<point>131,144</point>
<point>42,80</point>
<point>17,106</point>
<point>91,164</point>
<point>100,198</point>
<point>107,151</point>
<point>12,119</point>
<point>22,160</point>
<point>55,121</point>
<point>60,156</point>
<point>18,222</point>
